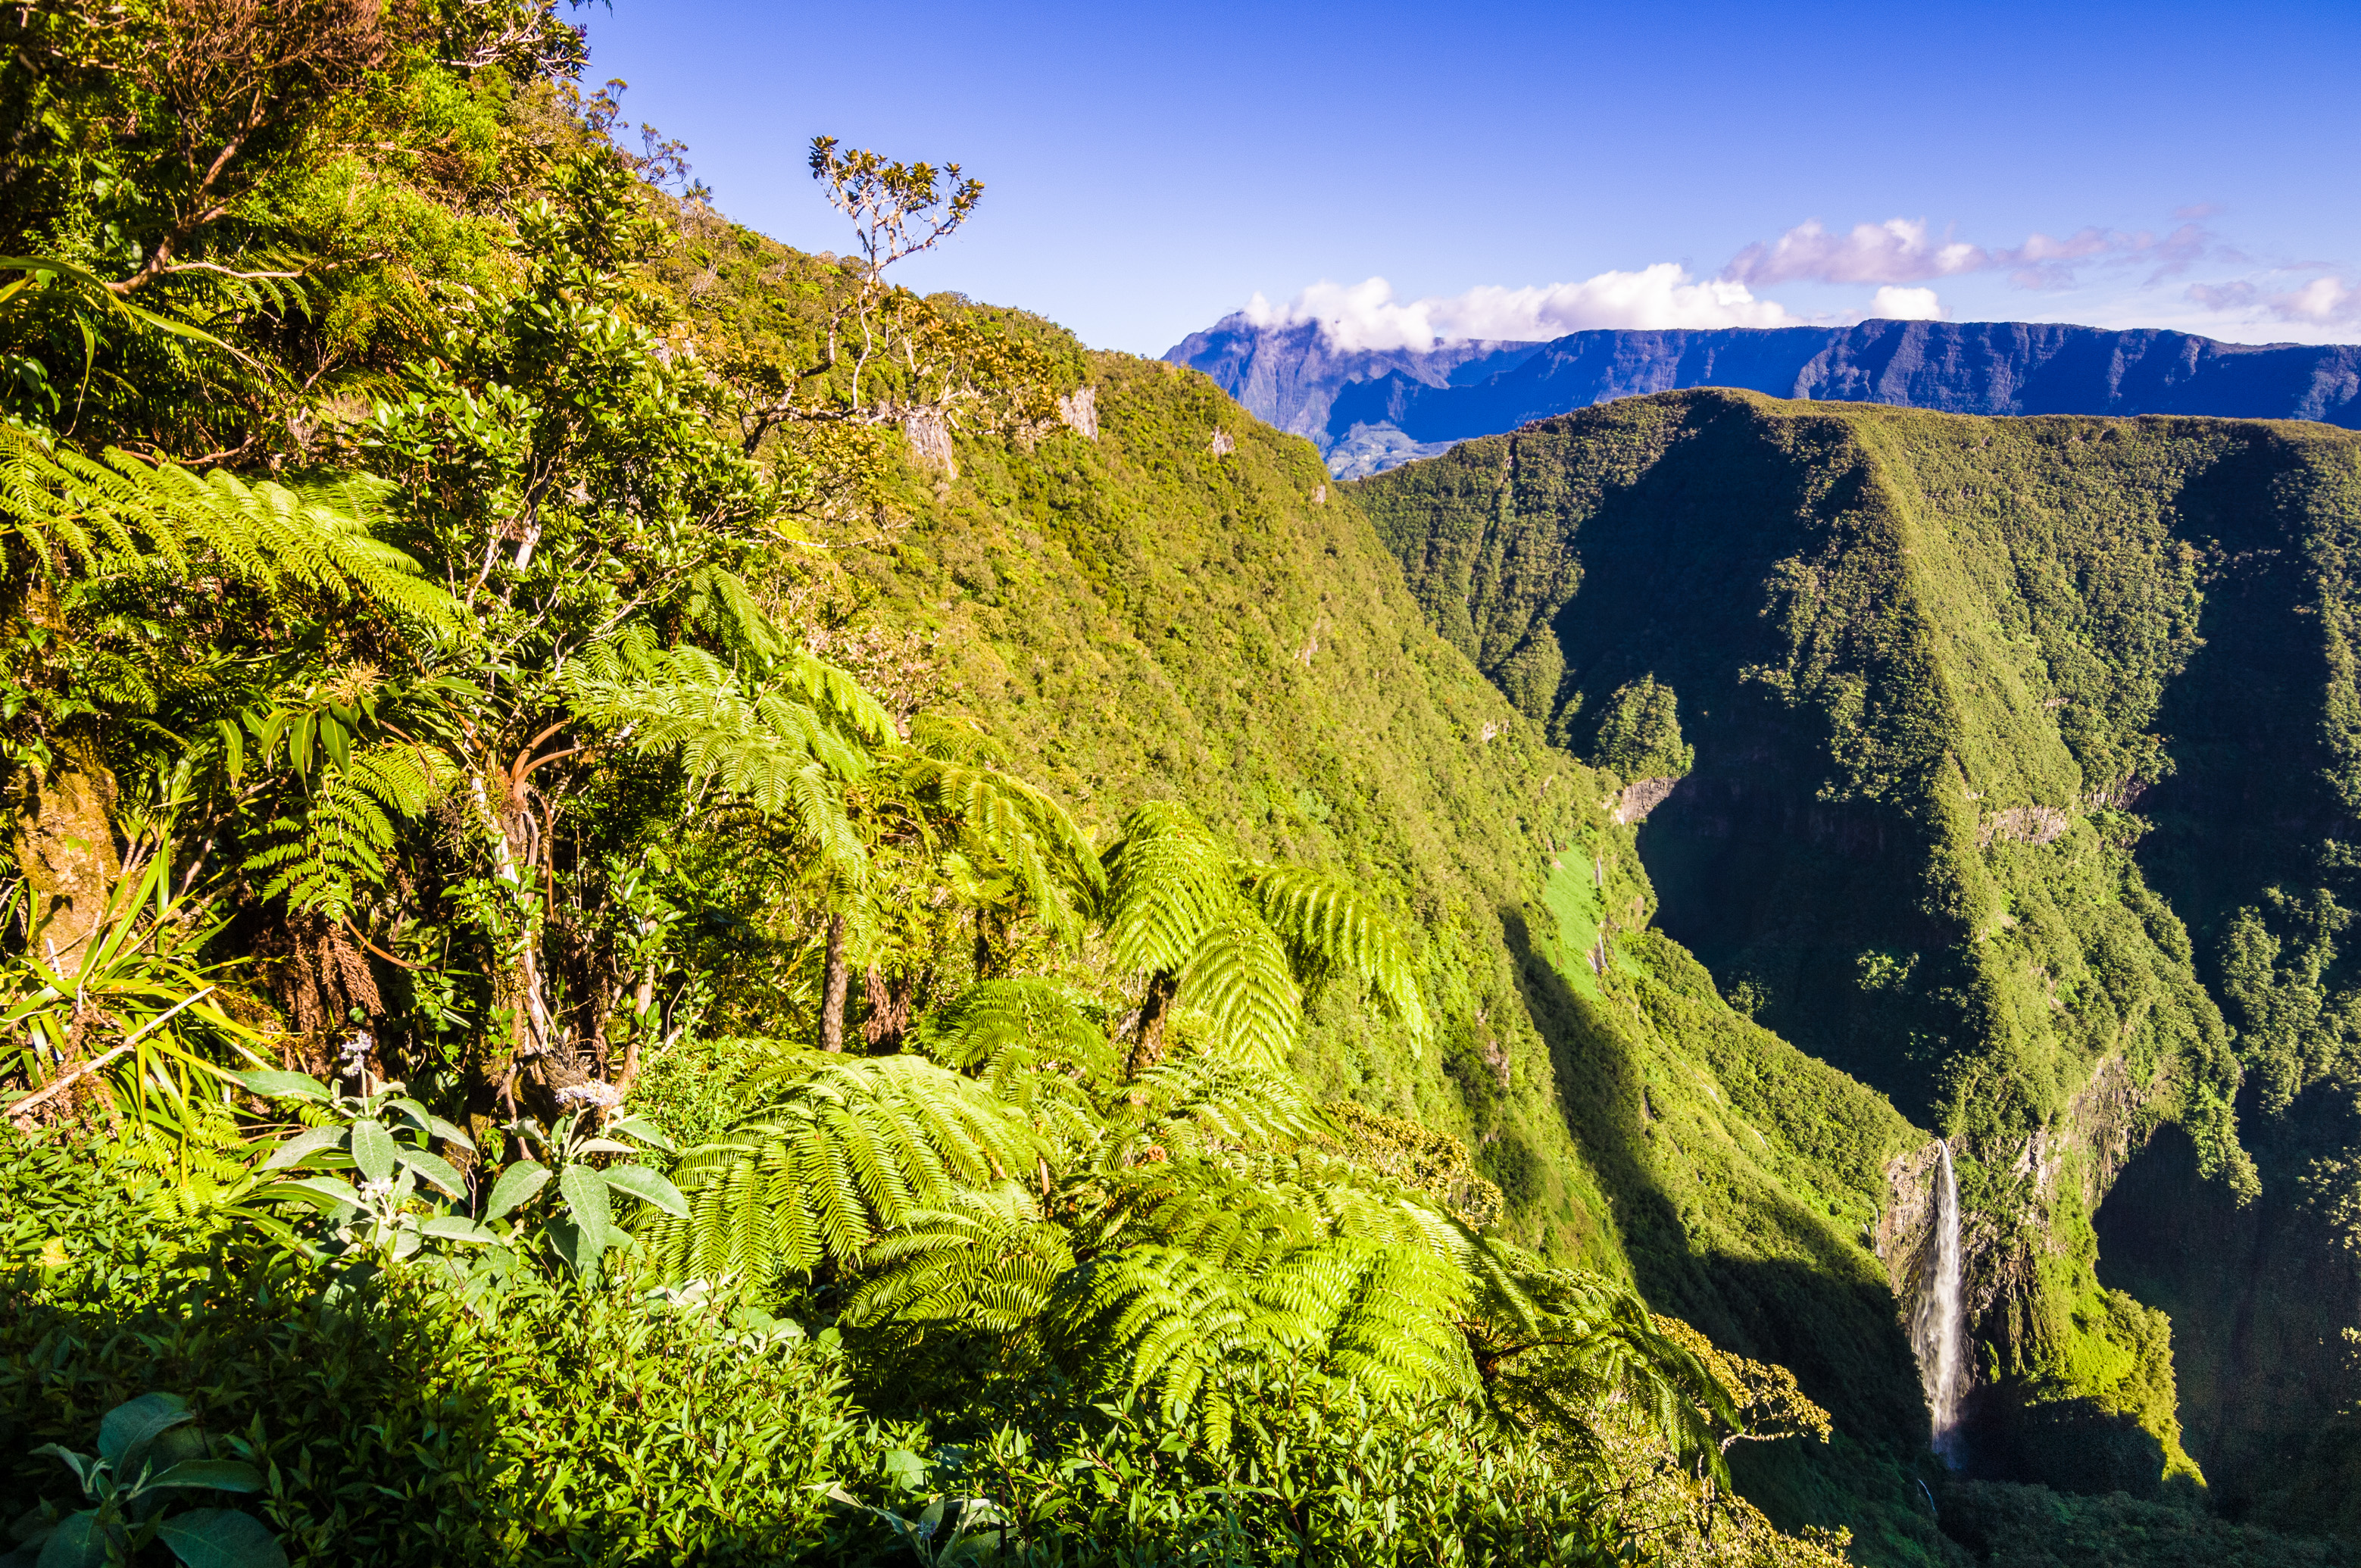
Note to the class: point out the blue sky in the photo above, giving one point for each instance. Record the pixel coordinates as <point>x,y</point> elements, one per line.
<point>1521,171</point>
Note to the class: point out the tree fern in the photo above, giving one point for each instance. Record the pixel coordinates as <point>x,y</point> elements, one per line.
<point>1034,1042</point>
<point>1168,883</point>
<point>1239,976</point>
<point>338,839</point>
<point>850,1148</point>
<point>1385,1317</point>
<point>1331,922</point>
<point>1192,1104</point>
<point>1002,818</point>
<point>117,510</point>
<point>1235,938</point>
<point>783,757</point>
<point>985,1261</point>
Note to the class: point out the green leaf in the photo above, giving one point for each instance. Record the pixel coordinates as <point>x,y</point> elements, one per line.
<point>457,1228</point>
<point>576,1245</point>
<point>221,1474</point>
<point>433,1170</point>
<point>221,1538</point>
<point>648,1187</point>
<point>643,1129</point>
<point>303,1144</point>
<point>586,1199</point>
<point>128,1430</point>
<point>449,1133</point>
<point>274,1085</point>
<point>373,1150</point>
<point>903,1468</point>
<point>516,1185</point>
<point>324,1192</point>
<point>77,1542</point>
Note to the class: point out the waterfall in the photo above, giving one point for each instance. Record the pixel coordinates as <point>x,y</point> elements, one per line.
<point>1938,1336</point>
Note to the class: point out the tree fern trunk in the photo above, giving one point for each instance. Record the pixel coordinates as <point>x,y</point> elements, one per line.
<point>63,837</point>
<point>1147,1046</point>
<point>837,980</point>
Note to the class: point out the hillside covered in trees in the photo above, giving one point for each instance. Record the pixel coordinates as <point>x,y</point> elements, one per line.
<point>672,905</point>
<point>2004,764</point>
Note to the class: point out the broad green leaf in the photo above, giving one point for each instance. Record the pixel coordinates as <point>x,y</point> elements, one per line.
<point>373,1150</point>
<point>322,1192</point>
<point>449,1133</point>
<point>516,1185</point>
<point>602,1145</point>
<point>575,1243</point>
<point>417,1115</point>
<point>221,1538</point>
<point>432,1168</point>
<point>586,1199</point>
<point>83,1465</point>
<point>309,1142</point>
<point>221,1474</point>
<point>640,1127</point>
<point>457,1228</point>
<point>648,1187</point>
<point>128,1430</point>
<point>274,1085</point>
<point>77,1542</point>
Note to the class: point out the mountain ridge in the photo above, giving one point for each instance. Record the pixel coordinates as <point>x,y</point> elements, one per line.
<point>1372,410</point>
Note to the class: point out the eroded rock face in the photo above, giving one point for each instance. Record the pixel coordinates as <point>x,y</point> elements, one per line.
<point>1641,796</point>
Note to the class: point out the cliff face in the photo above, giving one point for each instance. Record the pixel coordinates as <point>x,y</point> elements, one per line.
<point>1370,412</point>
<point>2022,752</point>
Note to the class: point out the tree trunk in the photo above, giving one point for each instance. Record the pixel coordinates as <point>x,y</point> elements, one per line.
<point>63,837</point>
<point>838,980</point>
<point>1147,1046</point>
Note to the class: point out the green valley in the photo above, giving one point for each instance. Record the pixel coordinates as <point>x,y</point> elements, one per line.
<point>671,904</point>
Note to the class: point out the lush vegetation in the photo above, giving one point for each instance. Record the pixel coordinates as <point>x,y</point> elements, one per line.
<point>2018,792</point>
<point>578,987</point>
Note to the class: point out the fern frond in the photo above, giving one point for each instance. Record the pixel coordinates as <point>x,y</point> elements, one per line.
<point>1167,883</point>
<point>985,1260</point>
<point>1240,978</point>
<point>342,835</point>
<point>115,510</point>
<point>1188,1105</point>
<point>721,605</point>
<point>1040,1047</point>
<point>1336,923</point>
<point>840,694</point>
<point>782,757</point>
<point>851,1149</point>
<point>1384,1317</point>
<point>1002,817</point>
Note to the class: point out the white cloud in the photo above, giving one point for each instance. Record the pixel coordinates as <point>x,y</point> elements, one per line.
<point>2321,302</point>
<point>1365,315</point>
<point>1895,304</point>
<point>1895,251</point>
<point>1900,250</point>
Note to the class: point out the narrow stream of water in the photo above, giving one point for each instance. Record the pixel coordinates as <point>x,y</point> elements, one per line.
<point>1937,1335</point>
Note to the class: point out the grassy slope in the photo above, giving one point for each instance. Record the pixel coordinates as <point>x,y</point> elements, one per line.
<point>1896,637</point>
<point>1142,616</point>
